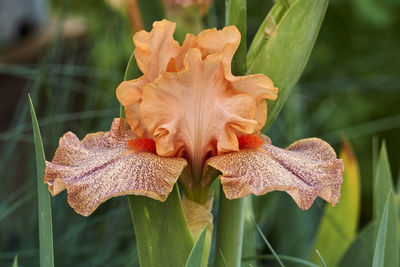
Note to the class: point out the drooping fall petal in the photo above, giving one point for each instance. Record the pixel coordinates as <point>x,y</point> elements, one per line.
<point>306,169</point>
<point>102,166</point>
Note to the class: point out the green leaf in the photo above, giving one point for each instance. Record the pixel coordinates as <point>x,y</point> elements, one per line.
<point>379,254</point>
<point>223,259</point>
<point>195,256</point>
<point>132,70</point>
<point>235,14</point>
<point>338,225</point>
<point>361,250</point>
<point>249,246</point>
<point>162,235</point>
<point>15,262</point>
<point>44,204</point>
<point>286,258</point>
<point>282,46</point>
<point>320,258</point>
<point>383,184</point>
<point>150,11</point>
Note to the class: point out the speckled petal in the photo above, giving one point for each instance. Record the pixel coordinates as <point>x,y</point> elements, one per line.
<point>306,169</point>
<point>101,166</point>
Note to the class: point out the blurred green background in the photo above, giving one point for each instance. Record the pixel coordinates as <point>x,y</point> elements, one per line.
<point>350,87</point>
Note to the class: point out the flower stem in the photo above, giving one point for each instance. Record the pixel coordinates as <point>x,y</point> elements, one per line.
<point>231,212</point>
<point>229,232</point>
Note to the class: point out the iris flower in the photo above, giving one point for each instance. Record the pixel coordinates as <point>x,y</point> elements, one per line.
<point>188,118</point>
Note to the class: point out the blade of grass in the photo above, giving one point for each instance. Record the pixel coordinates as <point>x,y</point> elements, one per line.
<point>282,257</point>
<point>383,185</point>
<point>44,205</point>
<point>379,254</point>
<point>320,258</point>
<point>269,245</point>
<point>223,259</point>
<point>195,256</point>
<point>249,246</point>
<point>15,263</point>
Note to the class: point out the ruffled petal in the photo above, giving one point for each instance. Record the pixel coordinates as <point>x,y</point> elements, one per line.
<point>306,169</point>
<point>154,52</point>
<point>155,49</point>
<point>260,87</point>
<point>157,54</point>
<point>225,42</point>
<point>101,166</point>
<point>196,111</point>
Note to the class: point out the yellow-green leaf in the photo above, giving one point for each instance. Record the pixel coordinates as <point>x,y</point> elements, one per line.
<point>383,184</point>
<point>196,255</point>
<point>338,225</point>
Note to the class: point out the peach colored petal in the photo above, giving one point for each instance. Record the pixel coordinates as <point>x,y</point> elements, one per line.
<point>130,92</point>
<point>260,87</point>
<point>155,49</point>
<point>101,166</point>
<point>306,169</point>
<point>156,53</point>
<point>153,53</point>
<point>196,111</point>
<point>225,42</point>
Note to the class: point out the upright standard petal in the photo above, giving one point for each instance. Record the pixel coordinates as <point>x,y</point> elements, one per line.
<point>153,53</point>
<point>157,53</point>
<point>102,166</point>
<point>155,49</point>
<point>196,111</point>
<point>306,169</point>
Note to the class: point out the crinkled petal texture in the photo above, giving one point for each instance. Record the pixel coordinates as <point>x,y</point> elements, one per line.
<point>197,111</point>
<point>187,99</point>
<point>306,169</point>
<point>153,53</point>
<point>101,166</point>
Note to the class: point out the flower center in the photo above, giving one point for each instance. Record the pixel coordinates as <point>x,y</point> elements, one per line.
<point>249,141</point>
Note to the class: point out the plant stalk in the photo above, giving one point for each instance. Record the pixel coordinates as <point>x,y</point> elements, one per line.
<point>229,232</point>
<point>231,212</point>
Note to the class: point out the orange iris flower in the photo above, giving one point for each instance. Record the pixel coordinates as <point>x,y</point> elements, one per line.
<point>185,116</point>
